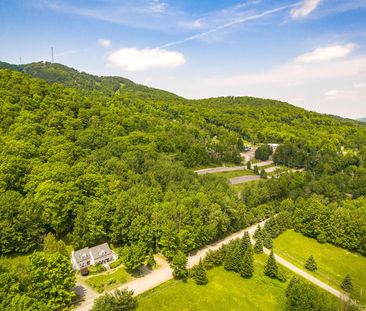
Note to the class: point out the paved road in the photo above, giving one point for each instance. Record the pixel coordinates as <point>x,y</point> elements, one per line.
<point>164,274</point>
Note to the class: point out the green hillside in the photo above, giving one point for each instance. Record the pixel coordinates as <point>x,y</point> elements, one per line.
<point>89,159</point>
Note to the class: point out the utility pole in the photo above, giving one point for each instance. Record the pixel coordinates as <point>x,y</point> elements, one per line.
<point>52,54</point>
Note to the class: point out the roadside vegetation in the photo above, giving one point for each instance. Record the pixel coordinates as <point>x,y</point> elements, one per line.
<point>333,263</point>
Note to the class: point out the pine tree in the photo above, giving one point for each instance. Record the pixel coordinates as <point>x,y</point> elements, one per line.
<point>293,282</point>
<point>311,264</point>
<point>255,170</point>
<point>258,232</point>
<point>258,246</point>
<point>263,174</point>
<point>272,227</point>
<point>247,267</point>
<point>233,256</point>
<point>246,242</point>
<point>151,263</point>
<point>199,274</point>
<point>347,284</point>
<point>271,269</point>
<point>249,165</point>
<point>267,241</point>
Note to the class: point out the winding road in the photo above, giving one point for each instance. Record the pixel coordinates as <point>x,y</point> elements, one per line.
<point>157,277</point>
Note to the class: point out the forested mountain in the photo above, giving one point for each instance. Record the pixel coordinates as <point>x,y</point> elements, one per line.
<point>89,165</point>
<point>362,119</point>
<point>93,159</point>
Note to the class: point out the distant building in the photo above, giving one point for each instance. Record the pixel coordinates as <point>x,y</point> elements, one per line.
<point>274,146</point>
<point>90,256</point>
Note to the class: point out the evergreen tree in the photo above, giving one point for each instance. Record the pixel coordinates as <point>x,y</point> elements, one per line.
<point>179,266</point>
<point>272,227</point>
<point>347,284</point>
<point>199,275</point>
<point>267,241</point>
<point>233,256</point>
<point>150,261</point>
<point>255,170</point>
<point>270,268</point>
<point>263,174</point>
<point>311,264</point>
<point>258,246</point>
<point>247,267</point>
<point>258,232</point>
<point>249,165</point>
<point>246,243</point>
<point>294,280</point>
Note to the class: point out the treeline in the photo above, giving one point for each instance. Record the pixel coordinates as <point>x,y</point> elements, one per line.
<point>320,207</point>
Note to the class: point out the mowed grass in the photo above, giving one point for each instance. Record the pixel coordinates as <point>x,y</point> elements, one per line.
<point>232,174</point>
<point>108,280</point>
<point>333,262</point>
<point>224,291</point>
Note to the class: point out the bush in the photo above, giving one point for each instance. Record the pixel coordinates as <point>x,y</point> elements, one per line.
<point>116,263</point>
<point>198,274</point>
<point>311,264</point>
<point>263,152</point>
<point>97,268</point>
<point>214,258</point>
<point>119,300</point>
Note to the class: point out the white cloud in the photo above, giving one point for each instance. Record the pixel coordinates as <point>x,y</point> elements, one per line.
<point>307,6</point>
<point>132,59</point>
<point>295,74</point>
<point>157,6</point>
<point>105,43</point>
<point>359,85</point>
<point>326,53</point>
<point>332,93</point>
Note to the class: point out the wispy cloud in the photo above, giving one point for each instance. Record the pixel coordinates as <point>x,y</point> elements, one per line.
<point>229,24</point>
<point>132,59</point>
<point>105,43</point>
<point>306,7</point>
<point>327,53</point>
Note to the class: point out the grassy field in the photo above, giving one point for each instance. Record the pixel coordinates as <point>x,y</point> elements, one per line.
<point>333,262</point>
<point>232,174</point>
<point>224,291</point>
<point>108,280</point>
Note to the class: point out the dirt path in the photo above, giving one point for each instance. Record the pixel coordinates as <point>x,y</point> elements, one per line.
<point>309,277</point>
<point>157,277</point>
<point>221,169</point>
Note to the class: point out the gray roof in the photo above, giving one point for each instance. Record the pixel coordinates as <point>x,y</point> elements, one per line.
<point>100,251</point>
<point>81,254</point>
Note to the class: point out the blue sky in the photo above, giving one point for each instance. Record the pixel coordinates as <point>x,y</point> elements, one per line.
<point>311,53</point>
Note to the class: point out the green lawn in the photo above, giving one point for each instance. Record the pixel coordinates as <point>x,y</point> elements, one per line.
<point>224,291</point>
<point>232,174</point>
<point>333,262</point>
<point>108,280</point>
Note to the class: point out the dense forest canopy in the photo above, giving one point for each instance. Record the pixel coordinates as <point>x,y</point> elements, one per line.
<point>100,158</point>
<point>87,159</point>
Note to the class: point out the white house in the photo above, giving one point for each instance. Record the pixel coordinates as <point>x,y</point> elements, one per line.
<point>90,256</point>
